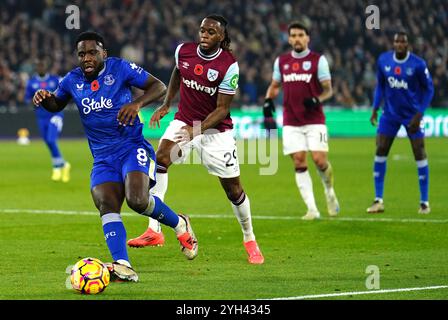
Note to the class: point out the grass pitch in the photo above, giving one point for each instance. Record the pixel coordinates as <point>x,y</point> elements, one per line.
<point>46,227</point>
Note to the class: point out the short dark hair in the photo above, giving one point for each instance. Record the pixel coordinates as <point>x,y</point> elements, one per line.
<point>297,25</point>
<point>401,33</point>
<point>90,35</point>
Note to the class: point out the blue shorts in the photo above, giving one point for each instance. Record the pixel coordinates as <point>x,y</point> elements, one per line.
<point>50,127</point>
<point>137,157</point>
<point>389,127</point>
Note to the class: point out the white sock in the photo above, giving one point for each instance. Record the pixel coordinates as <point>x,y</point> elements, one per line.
<point>181,227</point>
<point>305,185</point>
<point>242,213</point>
<point>159,190</point>
<point>161,186</point>
<point>124,262</point>
<point>154,225</point>
<point>327,177</point>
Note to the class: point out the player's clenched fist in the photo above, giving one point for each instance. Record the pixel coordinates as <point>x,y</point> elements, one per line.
<point>40,96</point>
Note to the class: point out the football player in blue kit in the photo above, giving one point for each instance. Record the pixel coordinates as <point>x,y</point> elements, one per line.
<point>405,84</point>
<point>124,165</point>
<point>50,124</point>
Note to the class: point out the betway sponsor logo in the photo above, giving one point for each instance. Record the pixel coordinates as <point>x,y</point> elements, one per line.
<point>93,105</point>
<point>199,87</point>
<point>397,84</point>
<point>306,77</point>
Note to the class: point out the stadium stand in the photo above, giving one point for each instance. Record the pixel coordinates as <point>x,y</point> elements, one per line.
<point>147,33</point>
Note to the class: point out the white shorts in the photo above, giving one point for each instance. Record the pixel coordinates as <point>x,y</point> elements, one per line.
<point>313,137</point>
<point>217,151</point>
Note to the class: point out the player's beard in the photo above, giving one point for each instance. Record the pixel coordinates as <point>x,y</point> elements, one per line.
<point>300,50</point>
<point>401,55</point>
<point>96,72</point>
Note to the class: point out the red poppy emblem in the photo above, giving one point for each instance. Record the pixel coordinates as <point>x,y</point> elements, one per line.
<point>95,85</point>
<point>295,66</point>
<point>397,71</point>
<point>198,69</point>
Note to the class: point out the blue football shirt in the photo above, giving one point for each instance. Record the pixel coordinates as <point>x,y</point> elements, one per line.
<point>48,82</point>
<point>99,101</point>
<point>406,86</point>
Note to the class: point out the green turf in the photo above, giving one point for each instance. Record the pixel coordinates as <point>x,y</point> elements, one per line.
<point>302,257</point>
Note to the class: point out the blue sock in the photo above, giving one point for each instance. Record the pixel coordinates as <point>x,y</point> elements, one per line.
<point>57,162</point>
<point>423,179</point>
<point>115,235</point>
<point>56,156</point>
<point>379,171</point>
<point>161,212</point>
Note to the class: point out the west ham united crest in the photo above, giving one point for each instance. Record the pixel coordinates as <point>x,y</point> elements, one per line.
<point>306,65</point>
<point>212,74</point>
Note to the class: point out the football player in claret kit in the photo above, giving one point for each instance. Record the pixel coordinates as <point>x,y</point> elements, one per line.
<point>207,76</point>
<point>405,84</point>
<point>50,124</point>
<point>124,164</point>
<point>305,78</point>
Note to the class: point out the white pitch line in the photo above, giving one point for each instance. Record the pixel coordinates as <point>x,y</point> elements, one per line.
<point>223,216</point>
<point>357,293</point>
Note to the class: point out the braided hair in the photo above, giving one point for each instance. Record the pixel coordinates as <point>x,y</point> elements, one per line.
<point>225,44</point>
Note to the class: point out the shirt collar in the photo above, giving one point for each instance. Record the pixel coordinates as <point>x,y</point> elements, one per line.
<point>208,57</point>
<point>104,68</point>
<point>401,61</point>
<point>45,77</point>
<point>300,55</point>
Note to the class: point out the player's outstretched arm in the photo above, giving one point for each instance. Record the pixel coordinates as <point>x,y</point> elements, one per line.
<point>269,106</point>
<point>154,90</point>
<point>48,100</point>
<point>173,88</point>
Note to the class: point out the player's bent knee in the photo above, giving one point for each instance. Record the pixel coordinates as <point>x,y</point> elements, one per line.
<point>299,161</point>
<point>233,193</point>
<point>164,159</point>
<point>105,207</point>
<point>382,151</point>
<point>138,203</point>
<point>321,164</point>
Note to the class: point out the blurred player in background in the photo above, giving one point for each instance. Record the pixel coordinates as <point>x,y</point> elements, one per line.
<point>306,81</point>
<point>405,84</point>
<point>124,166</point>
<point>50,124</point>
<point>207,76</point>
